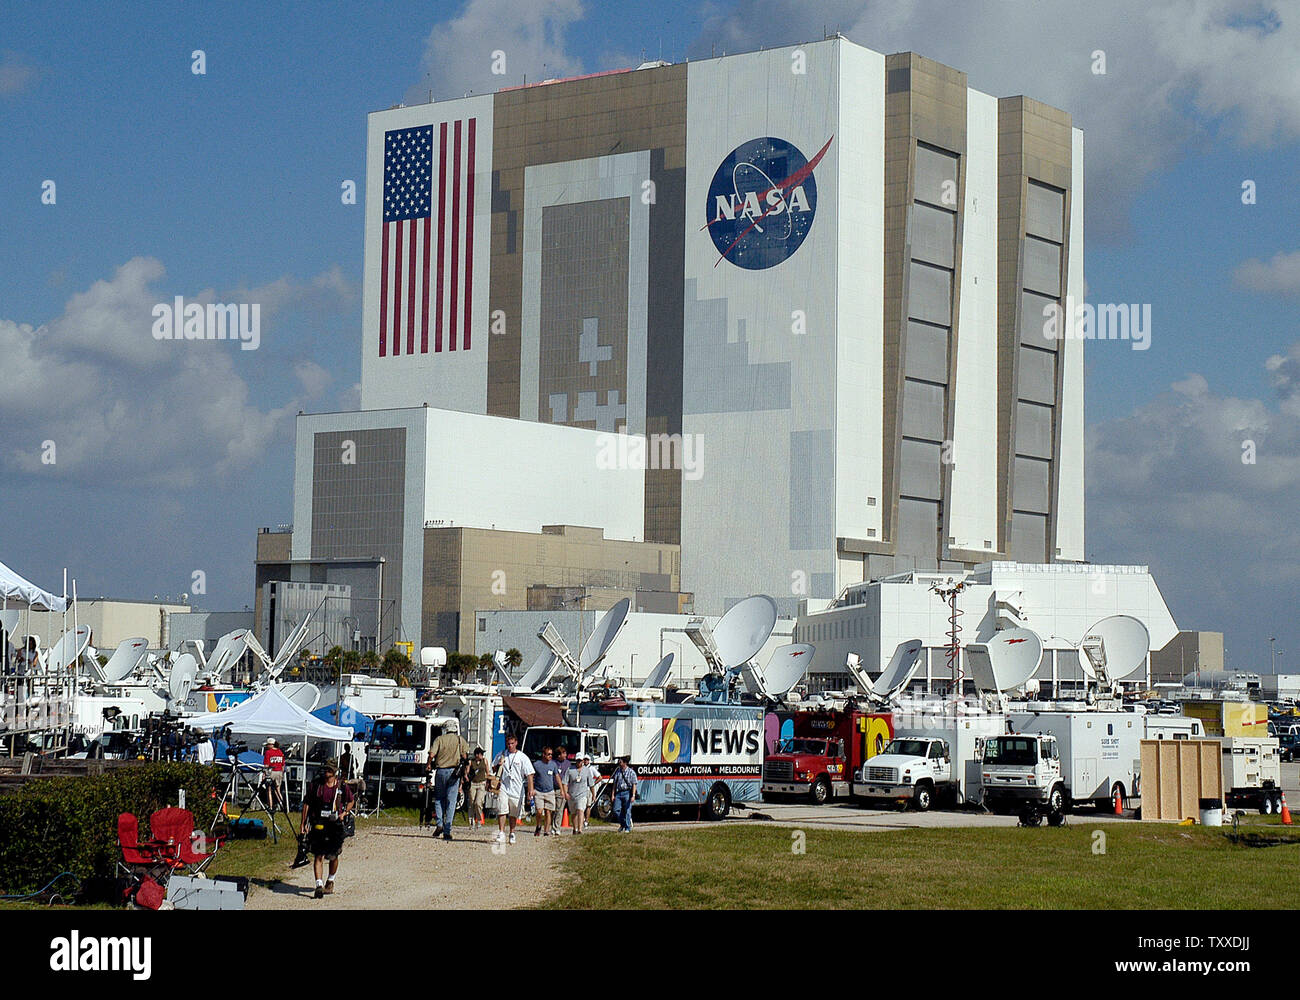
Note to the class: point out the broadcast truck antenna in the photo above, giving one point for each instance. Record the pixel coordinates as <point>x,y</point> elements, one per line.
<point>947,592</point>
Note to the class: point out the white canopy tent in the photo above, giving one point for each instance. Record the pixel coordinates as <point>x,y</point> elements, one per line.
<point>19,590</point>
<point>270,713</point>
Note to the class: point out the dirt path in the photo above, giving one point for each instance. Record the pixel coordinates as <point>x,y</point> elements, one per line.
<point>403,867</point>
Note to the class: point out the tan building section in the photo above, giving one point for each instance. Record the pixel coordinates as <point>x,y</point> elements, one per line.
<point>1035,144</point>
<point>110,622</point>
<point>475,569</point>
<point>1186,653</point>
<point>573,120</point>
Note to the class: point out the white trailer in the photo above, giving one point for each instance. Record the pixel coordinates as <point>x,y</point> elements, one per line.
<point>1173,727</point>
<point>1252,773</point>
<point>1100,752</point>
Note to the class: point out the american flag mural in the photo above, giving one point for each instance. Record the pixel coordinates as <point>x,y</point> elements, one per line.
<point>427,254</point>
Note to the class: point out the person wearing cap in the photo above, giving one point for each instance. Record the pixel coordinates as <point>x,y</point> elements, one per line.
<point>326,803</point>
<point>478,787</point>
<point>624,794</point>
<point>273,762</point>
<point>562,765</point>
<point>449,756</point>
<point>579,780</point>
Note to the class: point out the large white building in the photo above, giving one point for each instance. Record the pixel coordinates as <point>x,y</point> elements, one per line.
<point>813,277</point>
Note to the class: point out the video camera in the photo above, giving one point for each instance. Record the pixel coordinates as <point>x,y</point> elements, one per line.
<point>235,749</point>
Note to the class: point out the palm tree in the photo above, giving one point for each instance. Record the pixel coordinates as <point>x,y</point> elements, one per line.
<point>514,658</point>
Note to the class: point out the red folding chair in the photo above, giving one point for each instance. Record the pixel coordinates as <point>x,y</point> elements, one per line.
<point>143,864</point>
<point>173,828</point>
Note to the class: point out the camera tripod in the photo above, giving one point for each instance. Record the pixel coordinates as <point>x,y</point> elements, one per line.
<point>256,800</point>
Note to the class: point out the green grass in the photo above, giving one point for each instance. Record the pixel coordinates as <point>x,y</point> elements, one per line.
<point>1145,866</point>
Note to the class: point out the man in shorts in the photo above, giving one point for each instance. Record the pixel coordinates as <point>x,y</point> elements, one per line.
<point>546,774</point>
<point>515,772</point>
<point>327,802</point>
<point>579,780</point>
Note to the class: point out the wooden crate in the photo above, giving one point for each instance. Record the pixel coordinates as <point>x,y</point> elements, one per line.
<point>1177,774</point>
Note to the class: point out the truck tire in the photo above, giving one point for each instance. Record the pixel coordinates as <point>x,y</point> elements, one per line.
<point>1056,803</point>
<point>718,804</point>
<point>820,793</point>
<point>604,807</point>
<point>923,797</point>
<point>1266,805</point>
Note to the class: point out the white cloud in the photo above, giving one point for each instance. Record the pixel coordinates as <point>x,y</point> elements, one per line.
<point>1280,275</point>
<point>1203,487</point>
<point>458,57</point>
<point>1176,70</point>
<point>123,407</point>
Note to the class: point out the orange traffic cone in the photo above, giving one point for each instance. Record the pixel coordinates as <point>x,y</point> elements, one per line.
<point>1119,803</point>
<point>1286,813</point>
<point>564,822</point>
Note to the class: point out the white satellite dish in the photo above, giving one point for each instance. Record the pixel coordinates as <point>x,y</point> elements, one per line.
<point>902,667</point>
<point>229,648</point>
<point>125,659</point>
<point>181,680</point>
<point>433,656</point>
<point>659,675</point>
<point>291,644</point>
<point>786,668</point>
<point>541,666</point>
<point>1125,642</point>
<point>603,636</point>
<point>1006,661</point>
<point>305,696</point>
<point>68,649</point>
<point>744,629</point>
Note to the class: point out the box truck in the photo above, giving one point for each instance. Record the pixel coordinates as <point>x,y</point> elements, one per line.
<point>1056,760</point>
<point>933,757</point>
<point>824,752</point>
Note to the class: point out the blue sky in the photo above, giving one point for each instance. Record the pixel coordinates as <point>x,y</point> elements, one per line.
<point>228,183</point>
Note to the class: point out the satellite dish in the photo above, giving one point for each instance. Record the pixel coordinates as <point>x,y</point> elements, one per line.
<point>1006,661</point>
<point>229,648</point>
<point>1125,641</point>
<point>902,667</point>
<point>305,696</point>
<point>603,636</point>
<point>744,629</point>
<point>291,644</point>
<point>184,670</point>
<point>433,656</point>
<point>786,668</point>
<point>537,671</point>
<point>659,675</point>
<point>68,649</point>
<point>125,659</point>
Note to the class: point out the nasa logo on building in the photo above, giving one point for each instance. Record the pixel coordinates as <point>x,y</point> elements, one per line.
<point>762,202</point>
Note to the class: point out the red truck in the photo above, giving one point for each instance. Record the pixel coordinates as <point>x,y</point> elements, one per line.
<point>824,752</point>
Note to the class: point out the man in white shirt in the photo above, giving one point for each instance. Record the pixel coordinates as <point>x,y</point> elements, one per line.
<point>203,750</point>
<point>515,771</point>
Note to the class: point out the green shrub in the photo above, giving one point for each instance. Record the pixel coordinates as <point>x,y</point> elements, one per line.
<point>53,825</point>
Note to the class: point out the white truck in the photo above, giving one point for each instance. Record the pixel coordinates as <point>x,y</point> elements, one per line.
<point>1055,760</point>
<point>912,769</point>
<point>574,739</point>
<point>933,756</point>
<point>397,757</point>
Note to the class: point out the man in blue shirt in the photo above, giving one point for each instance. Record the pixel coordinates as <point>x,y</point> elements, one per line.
<point>545,783</point>
<point>624,794</point>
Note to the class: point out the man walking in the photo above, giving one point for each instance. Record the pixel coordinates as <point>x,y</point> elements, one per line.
<point>562,765</point>
<point>579,782</point>
<point>545,774</point>
<point>515,772</point>
<point>449,753</point>
<point>478,784</point>
<point>624,794</point>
